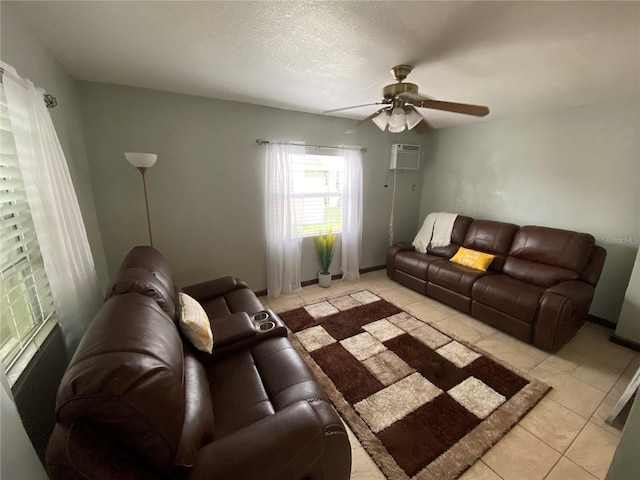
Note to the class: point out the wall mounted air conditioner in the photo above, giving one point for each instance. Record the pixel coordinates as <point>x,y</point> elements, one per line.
<point>405,157</point>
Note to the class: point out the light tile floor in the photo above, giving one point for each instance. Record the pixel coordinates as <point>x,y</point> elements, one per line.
<point>565,436</point>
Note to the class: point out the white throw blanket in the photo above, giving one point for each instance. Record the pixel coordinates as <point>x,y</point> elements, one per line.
<point>436,230</point>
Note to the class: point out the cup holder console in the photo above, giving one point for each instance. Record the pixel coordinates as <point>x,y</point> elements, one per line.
<point>266,326</point>
<point>260,316</point>
<point>262,321</point>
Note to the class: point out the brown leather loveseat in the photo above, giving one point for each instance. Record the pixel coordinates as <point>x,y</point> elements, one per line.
<point>139,402</point>
<point>538,288</point>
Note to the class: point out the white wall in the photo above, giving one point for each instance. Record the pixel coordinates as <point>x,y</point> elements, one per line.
<point>576,168</point>
<point>206,191</point>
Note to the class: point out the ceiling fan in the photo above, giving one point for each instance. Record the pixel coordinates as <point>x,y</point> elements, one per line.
<point>401,99</point>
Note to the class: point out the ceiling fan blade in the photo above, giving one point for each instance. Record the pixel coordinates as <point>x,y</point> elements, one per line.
<point>412,97</point>
<point>355,106</point>
<point>467,109</point>
<point>351,130</point>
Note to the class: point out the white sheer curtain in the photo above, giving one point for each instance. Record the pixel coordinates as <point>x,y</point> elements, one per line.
<point>351,213</point>
<point>283,249</point>
<point>54,207</point>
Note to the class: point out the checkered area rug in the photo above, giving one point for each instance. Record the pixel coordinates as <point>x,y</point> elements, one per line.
<point>423,404</point>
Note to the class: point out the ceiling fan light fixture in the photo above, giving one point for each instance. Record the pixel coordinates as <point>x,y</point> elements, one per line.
<point>400,100</point>
<point>382,120</point>
<point>397,120</point>
<point>396,129</point>
<point>413,118</point>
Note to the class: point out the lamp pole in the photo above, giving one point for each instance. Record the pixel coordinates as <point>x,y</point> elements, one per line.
<point>142,171</point>
<point>143,161</point>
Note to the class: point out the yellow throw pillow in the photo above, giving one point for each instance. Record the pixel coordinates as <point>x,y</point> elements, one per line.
<point>473,259</point>
<point>194,324</point>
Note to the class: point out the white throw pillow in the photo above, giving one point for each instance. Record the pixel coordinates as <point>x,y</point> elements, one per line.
<point>194,324</point>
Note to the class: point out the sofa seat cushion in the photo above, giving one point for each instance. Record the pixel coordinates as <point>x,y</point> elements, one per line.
<point>455,277</point>
<point>197,429</point>
<point>252,384</point>
<point>415,263</point>
<point>238,395</point>
<point>285,375</point>
<point>241,300</point>
<point>509,295</point>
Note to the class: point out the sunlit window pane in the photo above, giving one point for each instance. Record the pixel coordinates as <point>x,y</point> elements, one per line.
<point>317,186</point>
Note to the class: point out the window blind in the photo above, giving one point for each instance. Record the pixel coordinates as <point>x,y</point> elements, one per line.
<point>26,304</point>
<point>317,186</point>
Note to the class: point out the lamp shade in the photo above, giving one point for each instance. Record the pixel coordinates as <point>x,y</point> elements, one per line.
<point>144,160</point>
<point>398,120</point>
<point>413,117</point>
<point>396,129</point>
<point>382,120</point>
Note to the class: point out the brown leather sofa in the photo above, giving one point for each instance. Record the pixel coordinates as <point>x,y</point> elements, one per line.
<point>538,288</point>
<point>138,401</point>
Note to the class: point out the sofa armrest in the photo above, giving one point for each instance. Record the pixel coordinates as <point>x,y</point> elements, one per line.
<point>580,293</point>
<point>231,329</point>
<point>593,270</point>
<point>214,288</point>
<point>563,309</point>
<point>305,439</point>
<point>393,251</point>
<point>405,246</point>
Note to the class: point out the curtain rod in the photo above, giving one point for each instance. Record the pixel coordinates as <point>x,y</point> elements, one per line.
<point>264,142</point>
<point>49,100</point>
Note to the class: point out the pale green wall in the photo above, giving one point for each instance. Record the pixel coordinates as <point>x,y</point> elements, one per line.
<point>24,52</point>
<point>576,168</point>
<point>206,190</point>
<point>629,322</point>
<point>626,461</point>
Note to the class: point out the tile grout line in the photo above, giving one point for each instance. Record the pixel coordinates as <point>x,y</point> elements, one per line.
<point>489,467</point>
<point>554,465</point>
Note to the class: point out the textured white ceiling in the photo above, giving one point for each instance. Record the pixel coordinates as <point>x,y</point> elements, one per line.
<point>515,57</point>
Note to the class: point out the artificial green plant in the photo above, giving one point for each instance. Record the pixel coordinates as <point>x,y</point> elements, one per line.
<point>324,243</point>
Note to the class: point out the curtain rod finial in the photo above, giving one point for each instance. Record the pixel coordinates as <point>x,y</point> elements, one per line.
<point>50,101</point>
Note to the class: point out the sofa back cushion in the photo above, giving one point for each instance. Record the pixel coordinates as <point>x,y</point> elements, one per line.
<point>491,237</point>
<point>126,379</point>
<point>458,233</point>
<point>554,247</point>
<point>145,271</point>
<point>537,273</point>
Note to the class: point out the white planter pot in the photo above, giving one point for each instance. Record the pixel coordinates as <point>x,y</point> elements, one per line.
<point>324,279</point>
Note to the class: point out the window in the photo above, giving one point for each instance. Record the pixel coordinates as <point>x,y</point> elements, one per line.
<point>26,304</point>
<point>317,190</point>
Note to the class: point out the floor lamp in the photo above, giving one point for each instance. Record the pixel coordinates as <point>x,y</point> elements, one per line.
<point>143,162</point>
